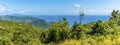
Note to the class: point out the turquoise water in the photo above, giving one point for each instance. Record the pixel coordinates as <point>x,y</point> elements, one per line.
<point>73,18</point>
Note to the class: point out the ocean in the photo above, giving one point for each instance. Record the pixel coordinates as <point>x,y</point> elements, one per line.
<point>72,18</point>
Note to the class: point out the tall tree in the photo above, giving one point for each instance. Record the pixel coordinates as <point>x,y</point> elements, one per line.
<point>81,16</point>
<point>115,13</point>
<point>116,16</point>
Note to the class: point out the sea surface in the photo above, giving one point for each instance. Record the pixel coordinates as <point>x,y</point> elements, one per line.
<point>72,18</point>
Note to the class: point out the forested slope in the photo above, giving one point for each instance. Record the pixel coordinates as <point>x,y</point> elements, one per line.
<point>12,33</point>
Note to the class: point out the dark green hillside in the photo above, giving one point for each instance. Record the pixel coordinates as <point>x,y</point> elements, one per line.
<point>26,19</point>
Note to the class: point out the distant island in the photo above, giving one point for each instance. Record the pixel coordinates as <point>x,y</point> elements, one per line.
<point>26,19</point>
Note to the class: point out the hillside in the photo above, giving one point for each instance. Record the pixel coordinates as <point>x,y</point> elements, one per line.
<point>60,33</point>
<point>94,33</point>
<point>26,19</point>
<point>13,33</point>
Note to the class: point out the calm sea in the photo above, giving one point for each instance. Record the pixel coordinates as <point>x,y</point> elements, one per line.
<point>73,18</point>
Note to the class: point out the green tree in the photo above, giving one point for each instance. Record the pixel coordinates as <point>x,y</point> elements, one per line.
<point>4,40</point>
<point>59,31</point>
<point>78,31</point>
<point>100,28</point>
<point>115,16</point>
<point>44,37</point>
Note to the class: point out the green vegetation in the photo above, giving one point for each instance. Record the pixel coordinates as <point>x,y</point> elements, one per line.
<point>60,33</point>
<point>94,33</point>
<point>12,33</point>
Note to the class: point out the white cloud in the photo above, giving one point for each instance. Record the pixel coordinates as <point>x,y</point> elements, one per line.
<point>106,11</point>
<point>98,11</point>
<point>21,11</point>
<point>24,11</point>
<point>77,5</point>
<point>91,11</point>
<point>2,8</point>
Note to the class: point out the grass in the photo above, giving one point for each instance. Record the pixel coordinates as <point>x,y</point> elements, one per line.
<point>108,40</point>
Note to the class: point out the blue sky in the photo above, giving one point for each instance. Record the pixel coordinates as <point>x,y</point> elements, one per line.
<point>58,7</point>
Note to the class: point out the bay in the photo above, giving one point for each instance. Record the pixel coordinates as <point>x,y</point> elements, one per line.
<point>72,18</point>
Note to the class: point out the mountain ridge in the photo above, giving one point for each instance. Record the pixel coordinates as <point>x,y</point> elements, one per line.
<point>26,19</point>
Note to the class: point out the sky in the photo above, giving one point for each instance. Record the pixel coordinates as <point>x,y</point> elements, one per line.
<point>58,7</point>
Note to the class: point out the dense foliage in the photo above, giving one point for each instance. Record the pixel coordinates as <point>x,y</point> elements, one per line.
<point>94,33</point>
<point>12,33</point>
<point>61,31</point>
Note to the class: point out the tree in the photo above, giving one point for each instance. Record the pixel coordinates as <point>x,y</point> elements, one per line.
<point>81,16</point>
<point>4,40</point>
<point>115,16</point>
<point>58,32</point>
<point>78,31</point>
<point>115,13</point>
<point>75,30</point>
<point>100,28</point>
<point>44,37</point>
